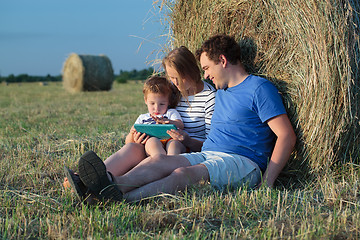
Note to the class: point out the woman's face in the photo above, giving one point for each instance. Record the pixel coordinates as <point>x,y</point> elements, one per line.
<point>181,83</point>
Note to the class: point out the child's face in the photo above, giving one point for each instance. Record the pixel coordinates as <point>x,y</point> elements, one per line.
<point>157,103</point>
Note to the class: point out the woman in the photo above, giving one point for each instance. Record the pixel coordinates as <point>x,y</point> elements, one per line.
<point>196,108</point>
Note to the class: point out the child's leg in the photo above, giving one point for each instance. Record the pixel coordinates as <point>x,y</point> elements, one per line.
<point>154,146</point>
<point>126,158</point>
<point>174,147</point>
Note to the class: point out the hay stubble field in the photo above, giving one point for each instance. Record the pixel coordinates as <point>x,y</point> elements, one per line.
<point>44,128</point>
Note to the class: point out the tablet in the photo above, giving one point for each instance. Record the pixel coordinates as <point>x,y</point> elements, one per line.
<point>155,130</point>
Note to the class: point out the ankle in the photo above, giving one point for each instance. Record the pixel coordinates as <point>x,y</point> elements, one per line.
<point>110,176</point>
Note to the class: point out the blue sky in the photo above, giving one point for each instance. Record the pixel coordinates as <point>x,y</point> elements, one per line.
<point>37,36</point>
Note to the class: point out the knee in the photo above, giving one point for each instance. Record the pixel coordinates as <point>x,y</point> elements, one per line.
<point>191,175</point>
<point>133,145</point>
<point>175,143</point>
<point>157,158</point>
<point>181,173</point>
<point>176,147</point>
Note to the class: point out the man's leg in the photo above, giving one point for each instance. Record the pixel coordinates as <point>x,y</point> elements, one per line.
<point>149,170</point>
<point>178,180</point>
<point>125,159</point>
<point>150,175</point>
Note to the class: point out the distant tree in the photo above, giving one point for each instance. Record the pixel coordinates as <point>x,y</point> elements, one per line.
<point>11,78</point>
<point>27,78</point>
<point>134,75</point>
<point>23,78</point>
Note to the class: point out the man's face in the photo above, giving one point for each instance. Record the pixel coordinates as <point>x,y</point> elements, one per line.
<point>213,71</point>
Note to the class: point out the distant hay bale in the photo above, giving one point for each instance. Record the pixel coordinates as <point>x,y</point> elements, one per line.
<point>309,49</point>
<point>43,83</point>
<point>87,73</point>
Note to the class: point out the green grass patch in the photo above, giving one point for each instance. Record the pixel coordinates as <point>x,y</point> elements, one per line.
<point>44,128</point>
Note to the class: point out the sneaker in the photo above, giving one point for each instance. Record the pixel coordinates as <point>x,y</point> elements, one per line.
<point>76,184</point>
<point>93,174</point>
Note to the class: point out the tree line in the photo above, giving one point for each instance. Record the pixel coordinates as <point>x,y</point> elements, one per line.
<point>27,78</point>
<point>134,75</point>
<point>123,76</point>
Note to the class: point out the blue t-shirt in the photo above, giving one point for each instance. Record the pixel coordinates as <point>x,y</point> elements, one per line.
<point>239,125</point>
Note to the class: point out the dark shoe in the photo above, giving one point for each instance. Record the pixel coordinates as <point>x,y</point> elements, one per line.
<point>76,184</point>
<point>93,174</point>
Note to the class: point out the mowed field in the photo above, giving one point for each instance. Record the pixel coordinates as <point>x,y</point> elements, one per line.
<point>44,128</point>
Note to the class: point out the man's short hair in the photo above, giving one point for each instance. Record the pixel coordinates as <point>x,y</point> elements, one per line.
<point>220,45</point>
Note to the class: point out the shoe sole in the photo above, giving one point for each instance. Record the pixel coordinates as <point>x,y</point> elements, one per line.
<point>70,176</point>
<point>93,174</point>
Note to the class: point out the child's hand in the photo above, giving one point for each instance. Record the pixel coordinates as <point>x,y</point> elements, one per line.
<point>160,120</point>
<point>136,137</point>
<point>139,137</point>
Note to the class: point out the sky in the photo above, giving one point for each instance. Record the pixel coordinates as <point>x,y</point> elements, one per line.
<point>37,36</point>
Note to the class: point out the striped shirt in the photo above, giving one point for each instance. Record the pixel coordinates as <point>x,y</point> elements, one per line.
<point>197,116</point>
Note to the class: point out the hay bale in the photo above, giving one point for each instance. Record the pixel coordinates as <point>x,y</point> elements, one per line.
<point>87,73</point>
<point>309,49</point>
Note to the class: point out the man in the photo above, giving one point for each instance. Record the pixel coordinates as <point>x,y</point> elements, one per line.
<point>249,117</point>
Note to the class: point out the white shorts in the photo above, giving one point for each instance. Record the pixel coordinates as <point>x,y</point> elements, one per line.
<point>227,170</point>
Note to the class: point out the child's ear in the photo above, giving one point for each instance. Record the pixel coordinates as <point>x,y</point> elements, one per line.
<point>145,100</point>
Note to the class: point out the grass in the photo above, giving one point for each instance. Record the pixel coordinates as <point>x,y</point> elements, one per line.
<point>44,127</point>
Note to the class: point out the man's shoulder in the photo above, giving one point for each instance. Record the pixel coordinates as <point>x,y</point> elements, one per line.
<point>257,82</point>
<point>257,79</point>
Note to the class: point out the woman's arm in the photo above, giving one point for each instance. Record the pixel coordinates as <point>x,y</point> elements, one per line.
<point>209,110</point>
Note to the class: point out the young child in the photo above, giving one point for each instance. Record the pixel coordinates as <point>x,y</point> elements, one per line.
<point>161,97</point>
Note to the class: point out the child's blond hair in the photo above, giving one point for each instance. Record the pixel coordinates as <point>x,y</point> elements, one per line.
<point>160,85</point>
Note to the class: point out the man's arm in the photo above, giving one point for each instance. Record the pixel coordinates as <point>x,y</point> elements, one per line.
<point>284,145</point>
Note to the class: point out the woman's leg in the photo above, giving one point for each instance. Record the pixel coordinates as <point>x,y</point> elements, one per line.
<point>126,158</point>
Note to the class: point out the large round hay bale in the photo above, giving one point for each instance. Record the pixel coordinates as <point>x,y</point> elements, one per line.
<point>87,73</point>
<point>309,49</point>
